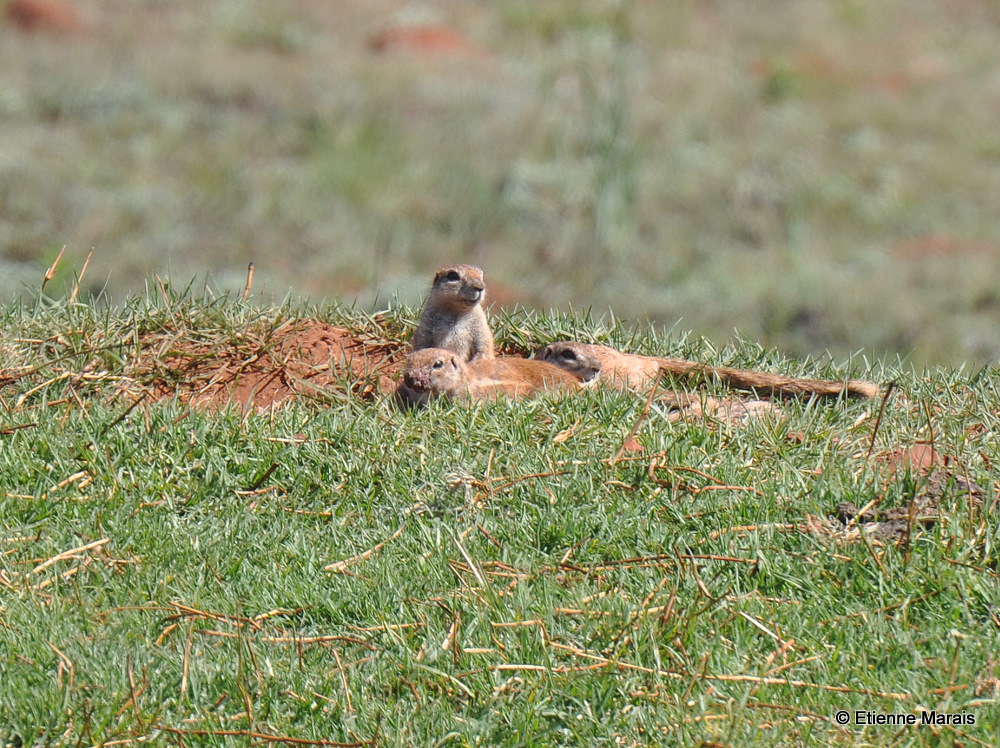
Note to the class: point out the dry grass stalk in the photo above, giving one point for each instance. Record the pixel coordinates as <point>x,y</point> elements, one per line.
<point>340,566</point>
<point>246,289</point>
<point>79,278</point>
<point>51,272</point>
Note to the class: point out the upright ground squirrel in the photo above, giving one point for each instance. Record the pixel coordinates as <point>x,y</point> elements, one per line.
<point>626,369</point>
<point>437,372</point>
<point>453,317</point>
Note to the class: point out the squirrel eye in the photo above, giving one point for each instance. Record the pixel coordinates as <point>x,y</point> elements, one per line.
<point>453,276</point>
<point>437,364</point>
<point>569,355</point>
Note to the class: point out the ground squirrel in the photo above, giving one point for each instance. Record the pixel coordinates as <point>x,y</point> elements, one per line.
<point>453,317</point>
<point>580,360</point>
<point>437,372</point>
<point>626,369</point>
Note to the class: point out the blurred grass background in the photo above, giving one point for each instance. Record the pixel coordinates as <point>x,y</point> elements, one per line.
<point>821,176</point>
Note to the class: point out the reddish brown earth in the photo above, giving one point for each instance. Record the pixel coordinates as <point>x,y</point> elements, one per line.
<point>43,15</point>
<point>920,459</point>
<point>879,73</point>
<point>940,245</point>
<point>300,359</point>
<point>422,40</point>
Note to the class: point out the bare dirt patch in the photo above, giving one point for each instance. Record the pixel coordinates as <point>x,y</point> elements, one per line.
<point>434,39</point>
<point>300,358</point>
<point>896,524</point>
<point>941,245</point>
<point>934,477</point>
<point>43,15</point>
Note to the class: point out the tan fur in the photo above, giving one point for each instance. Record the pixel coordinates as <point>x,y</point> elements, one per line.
<point>453,317</point>
<point>435,372</point>
<point>730,410</point>
<point>630,370</point>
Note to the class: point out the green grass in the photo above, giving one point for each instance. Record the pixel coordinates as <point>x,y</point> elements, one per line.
<point>524,589</point>
<point>774,168</point>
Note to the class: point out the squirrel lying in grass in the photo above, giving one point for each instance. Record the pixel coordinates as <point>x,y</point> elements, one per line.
<point>436,372</point>
<point>631,370</point>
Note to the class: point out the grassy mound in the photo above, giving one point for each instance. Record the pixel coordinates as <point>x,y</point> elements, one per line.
<point>321,569</point>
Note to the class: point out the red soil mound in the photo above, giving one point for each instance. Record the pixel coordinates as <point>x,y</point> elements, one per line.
<point>43,15</point>
<point>301,358</point>
<point>422,40</point>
